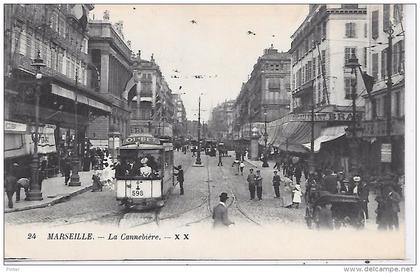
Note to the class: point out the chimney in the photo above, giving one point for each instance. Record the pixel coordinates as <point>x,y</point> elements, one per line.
<point>139,55</point>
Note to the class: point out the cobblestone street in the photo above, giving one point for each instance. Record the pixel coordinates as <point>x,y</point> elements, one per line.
<point>202,188</point>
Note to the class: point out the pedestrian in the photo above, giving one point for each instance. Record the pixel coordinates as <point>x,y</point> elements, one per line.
<point>220,159</point>
<point>241,167</point>
<point>276,184</point>
<point>345,187</point>
<point>66,170</point>
<point>96,180</point>
<point>220,213</point>
<point>356,181</point>
<point>10,183</point>
<point>251,183</point>
<point>180,178</point>
<point>392,207</point>
<point>330,182</point>
<point>258,184</point>
<point>297,196</point>
<point>298,173</point>
<point>236,163</point>
<point>363,192</point>
<point>22,183</point>
<point>325,220</point>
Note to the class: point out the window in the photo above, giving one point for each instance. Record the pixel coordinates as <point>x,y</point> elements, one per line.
<point>324,30</point>
<point>28,44</point>
<point>348,86</point>
<point>319,92</point>
<point>397,104</point>
<point>348,53</point>
<point>375,27</point>
<point>384,63</point>
<point>386,17</point>
<point>365,53</point>
<point>313,67</point>
<point>274,85</point>
<point>375,66</point>
<point>309,71</point>
<point>365,30</point>
<point>351,30</point>
<point>401,55</point>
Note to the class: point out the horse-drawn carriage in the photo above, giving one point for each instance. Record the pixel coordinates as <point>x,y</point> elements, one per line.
<point>346,210</point>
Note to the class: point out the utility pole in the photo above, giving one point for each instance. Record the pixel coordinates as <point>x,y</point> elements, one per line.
<point>198,158</point>
<point>390,31</point>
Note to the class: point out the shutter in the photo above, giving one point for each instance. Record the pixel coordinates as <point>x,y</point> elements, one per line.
<point>347,30</point>
<point>375,65</point>
<point>383,63</point>
<point>386,23</point>
<point>375,31</point>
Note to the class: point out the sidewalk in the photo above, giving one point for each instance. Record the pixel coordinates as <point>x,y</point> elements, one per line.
<point>53,191</point>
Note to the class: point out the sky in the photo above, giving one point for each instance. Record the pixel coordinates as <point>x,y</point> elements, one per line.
<point>217,47</point>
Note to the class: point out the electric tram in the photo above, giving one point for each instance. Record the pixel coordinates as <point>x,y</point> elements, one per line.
<point>144,175</point>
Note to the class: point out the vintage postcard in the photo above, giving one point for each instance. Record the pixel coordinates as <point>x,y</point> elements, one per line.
<point>209,133</point>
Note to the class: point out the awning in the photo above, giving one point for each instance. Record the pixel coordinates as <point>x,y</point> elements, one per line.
<point>63,92</point>
<point>327,134</point>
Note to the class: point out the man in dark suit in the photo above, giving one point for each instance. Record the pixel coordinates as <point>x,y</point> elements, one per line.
<point>330,182</point>
<point>180,178</point>
<point>220,212</point>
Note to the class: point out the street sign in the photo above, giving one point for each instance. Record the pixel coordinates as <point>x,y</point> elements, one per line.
<point>325,116</point>
<point>386,153</point>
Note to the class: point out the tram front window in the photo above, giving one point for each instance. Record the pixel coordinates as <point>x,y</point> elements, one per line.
<point>144,164</point>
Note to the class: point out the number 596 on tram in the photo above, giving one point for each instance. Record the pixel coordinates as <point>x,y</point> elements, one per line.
<point>144,175</point>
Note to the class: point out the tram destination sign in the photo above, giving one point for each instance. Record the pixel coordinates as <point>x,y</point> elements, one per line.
<point>326,116</point>
<point>141,140</point>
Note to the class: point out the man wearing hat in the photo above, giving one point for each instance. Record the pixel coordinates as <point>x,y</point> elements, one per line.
<point>180,178</point>
<point>220,212</point>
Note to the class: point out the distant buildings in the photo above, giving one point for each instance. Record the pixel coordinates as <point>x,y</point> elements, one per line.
<point>266,91</point>
<point>150,99</point>
<point>221,123</point>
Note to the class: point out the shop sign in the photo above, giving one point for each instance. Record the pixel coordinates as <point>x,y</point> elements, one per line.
<point>386,153</point>
<point>142,140</point>
<point>330,116</point>
<point>14,126</point>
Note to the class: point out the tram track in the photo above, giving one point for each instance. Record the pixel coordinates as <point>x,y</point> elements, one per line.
<point>235,201</point>
<point>205,201</point>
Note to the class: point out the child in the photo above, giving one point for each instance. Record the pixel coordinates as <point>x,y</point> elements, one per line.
<point>297,196</point>
<point>241,166</point>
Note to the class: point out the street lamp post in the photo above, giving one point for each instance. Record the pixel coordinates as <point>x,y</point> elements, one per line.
<point>198,158</point>
<point>75,178</point>
<point>265,163</point>
<point>35,193</point>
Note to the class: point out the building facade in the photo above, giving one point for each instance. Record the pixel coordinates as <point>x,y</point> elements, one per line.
<point>221,123</point>
<point>149,98</point>
<point>60,34</point>
<point>180,118</point>
<point>111,59</point>
<point>266,91</point>
<point>321,48</point>
<point>385,151</point>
